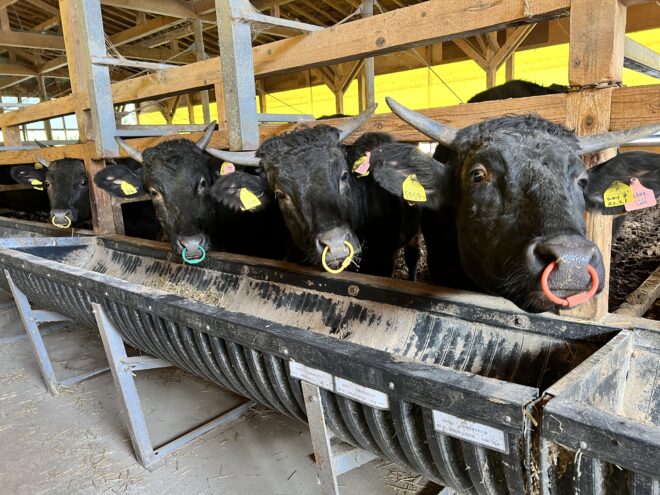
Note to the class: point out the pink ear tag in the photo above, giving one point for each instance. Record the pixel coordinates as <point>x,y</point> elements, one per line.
<point>643,197</point>
<point>227,168</point>
<point>361,165</point>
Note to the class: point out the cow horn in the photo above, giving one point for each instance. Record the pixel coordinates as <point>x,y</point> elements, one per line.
<point>43,161</point>
<point>248,158</point>
<point>443,134</point>
<point>40,144</point>
<point>206,138</point>
<point>130,151</point>
<point>348,128</point>
<point>597,142</point>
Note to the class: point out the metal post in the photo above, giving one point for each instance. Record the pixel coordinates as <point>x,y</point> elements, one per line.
<point>31,319</point>
<point>235,41</point>
<point>320,439</point>
<point>201,55</point>
<point>99,88</point>
<point>122,368</point>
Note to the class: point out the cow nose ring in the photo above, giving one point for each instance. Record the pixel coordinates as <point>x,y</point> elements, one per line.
<point>573,300</point>
<point>344,264</point>
<point>196,260</point>
<point>59,226</point>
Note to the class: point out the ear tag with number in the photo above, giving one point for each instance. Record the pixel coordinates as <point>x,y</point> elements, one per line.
<point>618,194</point>
<point>248,199</point>
<point>413,191</point>
<point>37,184</point>
<point>361,165</point>
<point>643,197</point>
<point>38,166</point>
<point>127,188</point>
<point>227,168</point>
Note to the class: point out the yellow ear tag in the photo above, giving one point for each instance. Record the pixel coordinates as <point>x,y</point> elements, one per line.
<point>37,184</point>
<point>227,168</point>
<point>249,199</point>
<point>38,166</point>
<point>412,190</point>
<point>127,188</point>
<point>618,194</point>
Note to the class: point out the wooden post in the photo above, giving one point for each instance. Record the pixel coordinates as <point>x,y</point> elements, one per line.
<point>596,57</point>
<point>200,53</point>
<point>368,69</point>
<point>43,96</point>
<point>339,101</point>
<point>81,23</point>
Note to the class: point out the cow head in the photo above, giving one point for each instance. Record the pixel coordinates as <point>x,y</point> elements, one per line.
<point>519,190</point>
<point>308,173</point>
<point>66,183</point>
<point>176,176</point>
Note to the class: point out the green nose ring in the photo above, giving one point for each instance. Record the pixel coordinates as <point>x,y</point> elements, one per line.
<point>195,261</point>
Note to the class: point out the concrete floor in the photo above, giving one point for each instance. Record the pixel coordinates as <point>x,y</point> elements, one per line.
<point>77,442</point>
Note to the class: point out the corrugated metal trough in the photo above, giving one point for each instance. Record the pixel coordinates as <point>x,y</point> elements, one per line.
<point>454,379</point>
<point>14,228</point>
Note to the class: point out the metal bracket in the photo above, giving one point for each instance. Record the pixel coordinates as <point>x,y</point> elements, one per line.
<point>329,463</point>
<point>122,368</point>
<point>31,320</point>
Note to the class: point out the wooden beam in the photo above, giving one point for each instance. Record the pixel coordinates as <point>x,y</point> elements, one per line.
<point>31,40</point>
<point>512,43</point>
<point>6,3</point>
<point>472,52</point>
<point>597,37</point>
<point>152,26</point>
<point>641,59</point>
<point>45,7</point>
<point>173,8</point>
<point>49,23</point>
<point>17,70</point>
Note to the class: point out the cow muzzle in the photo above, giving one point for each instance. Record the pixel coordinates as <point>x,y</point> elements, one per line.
<point>62,219</point>
<point>337,248</point>
<point>192,248</point>
<point>570,267</point>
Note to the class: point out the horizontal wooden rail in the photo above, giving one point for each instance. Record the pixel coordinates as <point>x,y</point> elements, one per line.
<point>421,24</point>
<point>631,107</point>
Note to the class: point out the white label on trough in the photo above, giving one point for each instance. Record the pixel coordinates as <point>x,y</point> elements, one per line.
<point>311,375</point>
<point>478,433</point>
<point>365,395</point>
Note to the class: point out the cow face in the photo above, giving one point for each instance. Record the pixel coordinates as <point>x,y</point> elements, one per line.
<point>66,183</point>
<point>176,176</point>
<point>519,192</point>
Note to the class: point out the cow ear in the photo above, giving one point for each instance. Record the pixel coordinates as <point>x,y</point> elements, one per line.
<point>29,174</point>
<point>241,191</point>
<point>407,172</point>
<point>122,180</point>
<point>636,168</point>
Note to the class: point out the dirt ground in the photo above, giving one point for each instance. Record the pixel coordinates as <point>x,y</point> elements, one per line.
<point>77,442</point>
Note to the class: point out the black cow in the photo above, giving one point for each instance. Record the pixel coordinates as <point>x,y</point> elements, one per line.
<point>329,209</point>
<point>178,176</point>
<point>517,89</point>
<point>510,201</point>
<point>65,182</point>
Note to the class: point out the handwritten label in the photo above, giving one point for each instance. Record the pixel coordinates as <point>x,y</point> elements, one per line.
<point>643,197</point>
<point>127,188</point>
<point>364,395</point>
<point>37,184</point>
<point>227,168</point>
<point>248,199</point>
<point>470,431</point>
<point>618,194</point>
<point>362,164</point>
<point>311,375</point>
<point>413,191</point>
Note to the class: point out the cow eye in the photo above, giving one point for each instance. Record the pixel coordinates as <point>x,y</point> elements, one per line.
<point>83,182</point>
<point>202,184</point>
<point>478,174</point>
<point>153,193</point>
<point>582,182</point>
<point>46,183</point>
<point>279,195</point>
<point>344,175</point>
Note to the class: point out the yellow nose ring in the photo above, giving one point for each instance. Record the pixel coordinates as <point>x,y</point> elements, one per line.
<point>345,263</point>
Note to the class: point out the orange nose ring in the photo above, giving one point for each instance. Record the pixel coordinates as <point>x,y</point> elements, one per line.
<point>571,300</point>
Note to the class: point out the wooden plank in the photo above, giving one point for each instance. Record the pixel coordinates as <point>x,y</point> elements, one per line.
<point>31,40</point>
<point>637,303</point>
<point>17,70</point>
<point>140,31</point>
<point>7,3</point>
<point>597,34</point>
<point>173,8</point>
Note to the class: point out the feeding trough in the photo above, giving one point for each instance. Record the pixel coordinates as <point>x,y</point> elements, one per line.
<point>14,228</point>
<point>447,383</point>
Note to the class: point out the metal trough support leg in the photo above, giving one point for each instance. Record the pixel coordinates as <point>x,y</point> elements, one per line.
<point>122,368</point>
<point>31,320</point>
